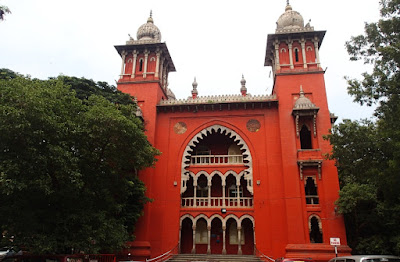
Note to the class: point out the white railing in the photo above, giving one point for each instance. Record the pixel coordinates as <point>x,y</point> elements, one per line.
<point>217,202</point>
<point>216,159</point>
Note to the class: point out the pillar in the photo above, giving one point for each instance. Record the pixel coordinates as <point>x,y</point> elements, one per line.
<point>146,59</point>
<point>194,239</point>
<point>223,240</point>
<point>134,53</point>
<point>208,239</point>
<point>277,63</point>
<point>158,54</point>
<point>239,229</point>
<point>303,51</point>
<point>123,54</point>
<point>290,44</point>
<point>317,52</point>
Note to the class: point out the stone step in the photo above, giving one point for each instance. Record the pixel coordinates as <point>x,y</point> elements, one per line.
<point>213,258</point>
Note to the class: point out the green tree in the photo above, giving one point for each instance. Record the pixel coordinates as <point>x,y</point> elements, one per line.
<point>68,168</point>
<point>3,11</point>
<point>368,152</point>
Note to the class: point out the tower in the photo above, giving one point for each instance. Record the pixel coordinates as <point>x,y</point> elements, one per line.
<point>146,63</point>
<point>304,118</point>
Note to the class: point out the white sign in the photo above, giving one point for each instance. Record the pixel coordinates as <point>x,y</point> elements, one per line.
<point>335,241</point>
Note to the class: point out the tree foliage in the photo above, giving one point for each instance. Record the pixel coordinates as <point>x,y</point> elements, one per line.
<point>3,11</point>
<point>68,165</point>
<point>368,152</point>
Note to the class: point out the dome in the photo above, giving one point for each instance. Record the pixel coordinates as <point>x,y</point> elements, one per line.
<point>303,102</point>
<point>149,32</point>
<point>290,21</point>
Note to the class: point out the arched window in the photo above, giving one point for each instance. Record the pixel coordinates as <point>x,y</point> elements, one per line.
<point>233,235</point>
<point>305,138</point>
<point>315,230</point>
<point>141,65</point>
<point>296,54</point>
<point>201,232</point>
<point>233,191</point>
<point>202,188</point>
<point>311,191</point>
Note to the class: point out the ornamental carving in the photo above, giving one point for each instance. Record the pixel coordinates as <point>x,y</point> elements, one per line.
<point>180,128</point>
<point>253,125</point>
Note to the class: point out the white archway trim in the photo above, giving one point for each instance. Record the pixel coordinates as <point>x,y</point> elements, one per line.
<point>224,131</point>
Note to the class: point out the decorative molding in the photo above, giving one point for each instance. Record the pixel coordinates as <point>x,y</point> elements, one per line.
<point>218,99</point>
<point>247,173</point>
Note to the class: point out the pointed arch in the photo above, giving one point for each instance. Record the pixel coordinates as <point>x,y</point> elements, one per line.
<point>247,158</point>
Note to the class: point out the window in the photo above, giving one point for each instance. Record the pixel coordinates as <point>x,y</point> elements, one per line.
<point>311,191</point>
<point>141,65</point>
<point>233,191</point>
<point>201,232</point>
<point>233,235</point>
<point>305,138</point>
<point>315,230</point>
<point>296,54</point>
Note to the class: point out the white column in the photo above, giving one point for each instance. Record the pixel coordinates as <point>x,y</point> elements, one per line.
<point>303,51</point>
<point>316,51</point>
<point>194,239</point>
<point>223,194</point>
<point>158,54</point>
<point>123,55</point>
<point>194,193</point>
<point>209,194</point>
<point>239,230</point>
<point>223,240</point>
<point>134,53</point>
<point>237,193</point>
<point>208,239</point>
<point>277,61</point>
<point>146,58</point>
<point>290,44</point>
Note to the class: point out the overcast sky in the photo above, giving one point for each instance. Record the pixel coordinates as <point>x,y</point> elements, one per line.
<point>215,41</point>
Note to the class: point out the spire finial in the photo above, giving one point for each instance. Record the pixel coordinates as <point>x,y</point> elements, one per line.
<point>243,89</point>
<point>194,90</point>
<point>301,91</point>
<point>150,20</point>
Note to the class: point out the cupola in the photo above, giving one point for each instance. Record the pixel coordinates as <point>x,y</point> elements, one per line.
<point>149,32</point>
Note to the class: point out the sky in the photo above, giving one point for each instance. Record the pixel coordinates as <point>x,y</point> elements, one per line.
<point>215,41</point>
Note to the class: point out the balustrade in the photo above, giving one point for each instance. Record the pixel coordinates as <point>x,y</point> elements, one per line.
<point>217,202</point>
<point>216,159</point>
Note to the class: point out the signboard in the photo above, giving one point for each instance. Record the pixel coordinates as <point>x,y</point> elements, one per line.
<point>335,241</point>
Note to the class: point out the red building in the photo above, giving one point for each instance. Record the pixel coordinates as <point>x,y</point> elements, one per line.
<point>238,173</point>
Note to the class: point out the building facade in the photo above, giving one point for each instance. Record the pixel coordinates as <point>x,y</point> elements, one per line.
<point>238,174</point>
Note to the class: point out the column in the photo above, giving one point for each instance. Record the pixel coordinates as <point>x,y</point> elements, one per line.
<point>208,239</point>
<point>158,54</point>
<point>194,193</point>
<point>123,54</point>
<point>237,193</point>
<point>317,52</point>
<point>290,44</point>
<point>303,51</point>
<point>209,194</point>
<point>239,229</point>
<point>194,239</point>
<point>223,240</point>
<point>277,63</point>
<point>223,194</point>
<point>134,53</point>
<point>146,58</point>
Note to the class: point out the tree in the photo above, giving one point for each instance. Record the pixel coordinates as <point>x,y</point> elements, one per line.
<point>68,167</point>
<point>368,152</point>
<point>3,11</point>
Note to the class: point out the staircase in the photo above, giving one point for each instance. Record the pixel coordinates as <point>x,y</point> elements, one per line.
<point>213,258</point>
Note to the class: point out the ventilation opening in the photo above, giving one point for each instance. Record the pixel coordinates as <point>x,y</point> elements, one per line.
<point>296,54</point>
<point>140,65</point>
<point>305,138</point>
<point>315,231</point>
<point>311,192</point>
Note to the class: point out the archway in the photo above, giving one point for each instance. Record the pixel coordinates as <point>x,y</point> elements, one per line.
<point>186,241</point>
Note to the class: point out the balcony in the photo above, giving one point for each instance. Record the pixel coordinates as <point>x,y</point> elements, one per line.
<point>216,160</point>
<point>217,202</point>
